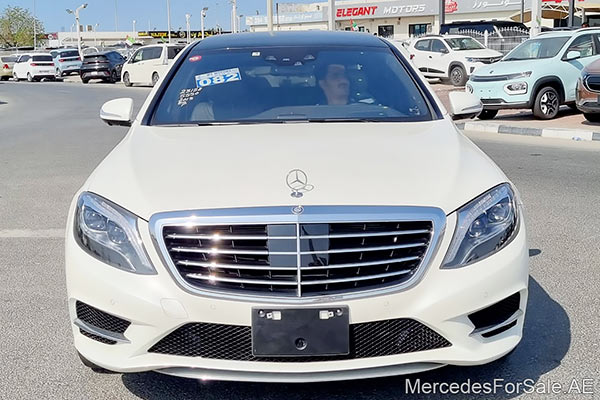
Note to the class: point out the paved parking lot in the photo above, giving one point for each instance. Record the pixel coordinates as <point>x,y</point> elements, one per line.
<point>51,139</point>
<point>567,118</point>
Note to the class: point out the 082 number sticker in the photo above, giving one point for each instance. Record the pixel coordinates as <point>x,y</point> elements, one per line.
<point>218,77</point>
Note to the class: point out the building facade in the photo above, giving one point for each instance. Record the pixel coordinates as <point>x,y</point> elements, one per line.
<point>401,19</point>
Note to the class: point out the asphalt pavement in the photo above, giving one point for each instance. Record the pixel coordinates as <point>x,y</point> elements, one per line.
<point>51,139</point>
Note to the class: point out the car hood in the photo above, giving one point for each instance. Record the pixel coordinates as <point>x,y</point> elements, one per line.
<point>508,67</point>
<point>482,53</point>
<point>158,169</point>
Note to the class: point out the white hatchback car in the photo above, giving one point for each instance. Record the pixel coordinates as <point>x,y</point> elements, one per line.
<point>294,206</point>
<point>34,67</point>
<point>453,57</point>
<point>147,65</point>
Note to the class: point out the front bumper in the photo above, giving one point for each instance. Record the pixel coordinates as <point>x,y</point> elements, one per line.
<point>494,97</point>
<point>587,101</point>
<point>156,306</point>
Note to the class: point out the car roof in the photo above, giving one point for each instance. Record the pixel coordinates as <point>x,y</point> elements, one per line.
<point>568,33</point>
<point>293,38</point>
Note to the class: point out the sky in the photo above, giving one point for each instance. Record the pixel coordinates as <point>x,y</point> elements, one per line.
<point>147,13</point>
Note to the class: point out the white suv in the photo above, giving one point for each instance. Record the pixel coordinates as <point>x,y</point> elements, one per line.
<point>453,57</point>
<point>34,67</point>
<point>148,64</point>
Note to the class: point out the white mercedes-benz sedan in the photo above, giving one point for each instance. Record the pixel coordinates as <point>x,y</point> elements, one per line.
<point>294,207</point>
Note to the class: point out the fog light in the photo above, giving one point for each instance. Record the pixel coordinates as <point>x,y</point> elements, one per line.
<point>516,88</point>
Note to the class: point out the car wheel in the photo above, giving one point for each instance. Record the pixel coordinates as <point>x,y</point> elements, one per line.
<point>592,117</point>
<point>458,76</point>
<point>546,103</point>
<point>5,78</point>
<point>15,78</point>
<point>114,78</point>
<point>92,366</point>
<point>58,74</point>
<point>573,106</point>
<point>29,77</point>
<point>84,81</point>
<point>126,80</point>
<point>487,114</point>
<point>155,79</point>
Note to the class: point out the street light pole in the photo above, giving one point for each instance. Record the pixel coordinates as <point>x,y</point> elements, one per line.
<point>187,27</point>
<point>240,22</point>
<point>270,15</point>
<point>169,19</point>
<point>76,12</point>
<point>96,34</point>
<point>34,28</point>
<point>204,10</point>
<point>234,13</point>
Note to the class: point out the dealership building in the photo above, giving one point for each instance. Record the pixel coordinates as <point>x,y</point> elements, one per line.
<point>400,19</point>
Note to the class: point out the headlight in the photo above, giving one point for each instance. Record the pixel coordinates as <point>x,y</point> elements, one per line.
<point>484,226</point>
<point>518,75</point>
<point>516,88</point>
<point>109,233</point>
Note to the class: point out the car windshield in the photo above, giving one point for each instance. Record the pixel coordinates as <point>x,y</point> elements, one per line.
<point>281,84</point>
<point>464,44</point>
<point>71,53</point>
<point>537,48</point>
<point>42,58</point>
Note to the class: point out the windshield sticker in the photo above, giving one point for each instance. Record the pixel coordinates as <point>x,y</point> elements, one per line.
<point>218,77</point>
<point>187,95</point>
<point>195,58</point>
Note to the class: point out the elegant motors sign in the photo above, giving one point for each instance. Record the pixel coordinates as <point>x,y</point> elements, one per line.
<point>387,9</point>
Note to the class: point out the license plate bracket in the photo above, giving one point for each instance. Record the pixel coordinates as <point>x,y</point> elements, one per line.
<point>299,332</point>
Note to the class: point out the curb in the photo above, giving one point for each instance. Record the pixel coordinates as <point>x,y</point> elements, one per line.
<point>570,134</point>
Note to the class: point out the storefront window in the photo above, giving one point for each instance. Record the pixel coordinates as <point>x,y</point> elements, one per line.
<point>417,29</point>
<point>386,31</point>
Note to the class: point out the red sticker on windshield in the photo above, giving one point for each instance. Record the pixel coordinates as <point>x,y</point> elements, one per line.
<point>195,58</point>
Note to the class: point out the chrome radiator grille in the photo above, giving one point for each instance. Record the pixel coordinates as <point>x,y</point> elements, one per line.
<point>297,259</point>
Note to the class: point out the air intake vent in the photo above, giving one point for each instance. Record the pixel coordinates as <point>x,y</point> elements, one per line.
<point>99,319</point>
<point>496,313</point>
<point>232,342</point>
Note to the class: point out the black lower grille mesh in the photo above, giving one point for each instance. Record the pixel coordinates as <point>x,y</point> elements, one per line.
<point>232,342</point>
<point>96,337</point>
<point>100,319</point>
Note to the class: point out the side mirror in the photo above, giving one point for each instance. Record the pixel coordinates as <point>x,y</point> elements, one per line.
<point>464,105</point>
<point>117,112</point>
<point>572,55</point>
<point>445,51</point>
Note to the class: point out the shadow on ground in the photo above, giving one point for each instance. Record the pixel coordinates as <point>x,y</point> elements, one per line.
<point>546,341</point>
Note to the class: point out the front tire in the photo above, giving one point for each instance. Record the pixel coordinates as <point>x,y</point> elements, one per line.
<point>487,114</point>
<point>458,76</point>
<point>155,79</point>
<point>15,77</point>
<point>84,81</point>
<point>126,79</point>
<point>29,77</point>
<point>114,78</point>
<point>592,117</point>
<point>547,103</point>
<point>58,74</point>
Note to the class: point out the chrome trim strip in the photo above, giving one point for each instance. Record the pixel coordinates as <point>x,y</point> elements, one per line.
<point>359,278</point>
<point>486,329</point>
<point>236,280</point>
<point>361,264</point>
<point>232,251</point>
<point>103,333</point>
<point>361,249</point>
<point>311,214</point>
<point>225,237</point>
<point>366,234</point>
<point>235,266</point>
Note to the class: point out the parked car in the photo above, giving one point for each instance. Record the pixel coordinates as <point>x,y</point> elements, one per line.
<point>7,63</point>
<point>34,67</point>
<point>105,65</point>
<point>313,249</point>
<point>66,61</point>
<point>588,92</point>
<point>148,64</point>
<point>452,57</point>
<point>540,74</point>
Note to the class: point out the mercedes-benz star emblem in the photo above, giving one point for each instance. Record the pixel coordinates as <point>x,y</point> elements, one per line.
<point>298,181</point>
